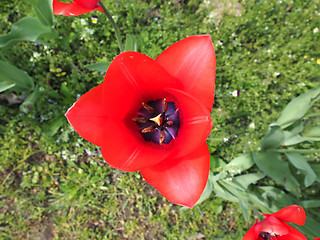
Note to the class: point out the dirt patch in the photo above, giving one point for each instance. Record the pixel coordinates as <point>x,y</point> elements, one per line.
<point>220,8</point>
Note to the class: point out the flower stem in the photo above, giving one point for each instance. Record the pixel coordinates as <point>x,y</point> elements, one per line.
<point>114,25</point>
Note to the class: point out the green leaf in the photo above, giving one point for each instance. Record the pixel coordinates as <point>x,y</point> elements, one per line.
<point>101,66</point>
<point>239,164</point>
<point>221,191</point>
<point>52,127</point>
<point>312,134</point>
<point>275,167</point>
<point>247,179</point>
<point>30,101</point>
<point>244,207</point>
<point>273,139</point>
<point>43,10</point>
<point>5,85</point>
<point>316,168</point>
<point>26,29</point>
<point>131,43</point>
<point>297,108</point>
<point>9,73</point>
<point>310,204</point>
<point>301,163</point>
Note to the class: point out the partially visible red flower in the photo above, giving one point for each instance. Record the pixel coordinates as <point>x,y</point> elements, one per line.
<point>275,227</point>
<point>317,238</point>
<point>153,116</point>
<point>75,8</point>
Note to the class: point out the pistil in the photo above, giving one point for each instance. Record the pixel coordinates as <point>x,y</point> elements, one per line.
<point>158,120</point>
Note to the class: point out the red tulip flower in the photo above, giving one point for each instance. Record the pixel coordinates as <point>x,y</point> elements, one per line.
<point>274,226</point>
<point>75,8</point>
<point>317,238</point>
<point>153,116</point>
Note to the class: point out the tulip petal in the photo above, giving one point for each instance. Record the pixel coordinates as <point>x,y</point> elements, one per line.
<point>192,61</point>
<point>272,225</point>
<point>293,213</point>
<point>195,125</point>
<point>181,180</point>
<point>71,9</point>
<point>294,234</point>
<point>124,148</point>
<point>131,79</point>
<point>250,235</point>
<point>87,116</point>
<point>87,3</point>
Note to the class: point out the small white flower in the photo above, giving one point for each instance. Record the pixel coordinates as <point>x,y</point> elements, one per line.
<point>83,21</point>
<point>235,93</point>
<point>315,30</point>
<point>225,139</point>
<point>252,125</point>
<point>36,54</point>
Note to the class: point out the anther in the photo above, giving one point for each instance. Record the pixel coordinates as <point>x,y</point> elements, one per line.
<point>147,129</point>
<point>140,119</point>
<point>169,123</point>
<point>165,105</point>
<point>162,137</point>
<point>148,108</point>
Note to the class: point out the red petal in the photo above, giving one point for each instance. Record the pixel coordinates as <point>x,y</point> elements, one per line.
<point>181,180</point>
<point>192,60</point>
<point>294,234</point>
<point>71,9</point>
<point>131,79</point>
<point>250,235</point>
<point>87,3</point>
<point>87,116</point>
<point>195,125</point>
<point>293,213</point>
<point>124,148</point>
<point>272,225</point>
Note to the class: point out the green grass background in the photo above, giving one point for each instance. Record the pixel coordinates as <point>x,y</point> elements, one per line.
<point>55,185</point>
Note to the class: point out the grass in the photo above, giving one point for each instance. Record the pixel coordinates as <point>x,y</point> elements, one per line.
<point>55,185</point>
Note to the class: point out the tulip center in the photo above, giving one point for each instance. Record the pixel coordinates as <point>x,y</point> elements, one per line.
<point>267,236</point>
<point>158,121</point>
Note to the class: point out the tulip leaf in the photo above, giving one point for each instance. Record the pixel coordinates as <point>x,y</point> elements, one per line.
<point>221,191</point>
<point>30,101</point>
<point>310,204</point>
<point>245,209</point>
<point>5,85</point>
<point>52,127</point>
<point>26,29</point>
<point>245,180</point>
<point>239,164</point>
<point>316,169</point>
<point>297,108</point>
<point>301,163</point>
<point>292,140</point>
<point>11,74</point>
<point>275,167</point>
<point>131,43</point>
<point>312,134</point>
<point>273,139</point>
<point>101,66</point>
<point>43,10</point>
